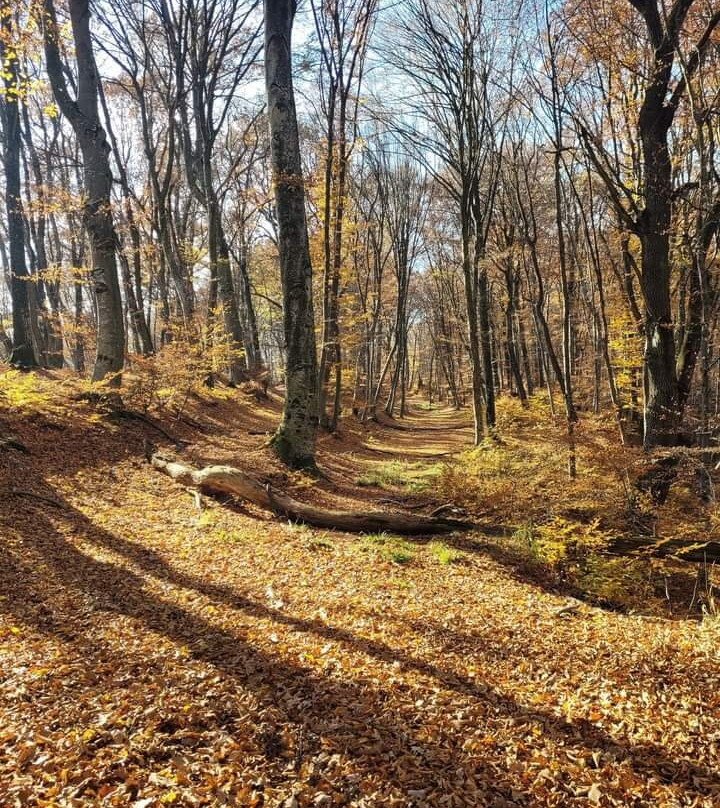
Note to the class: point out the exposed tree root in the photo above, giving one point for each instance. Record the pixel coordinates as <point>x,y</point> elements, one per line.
<point>237,483</point>
<point>133,415</point>
<point>11,442</point>
<point>20,492</point>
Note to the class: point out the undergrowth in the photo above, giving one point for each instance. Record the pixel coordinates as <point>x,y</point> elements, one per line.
<point>409,477</point>
<point>519,479</point>
<point>24,393</point>
<point>572,556</point>
<point>388,547</point>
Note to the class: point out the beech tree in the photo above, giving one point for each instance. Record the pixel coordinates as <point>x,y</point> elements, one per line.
<point>23,350</point>
<point>83,114</point>
<point>649,215</point>
<point>294,441</point>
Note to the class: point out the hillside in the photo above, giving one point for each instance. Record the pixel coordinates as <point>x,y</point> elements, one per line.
<point>153,654</point>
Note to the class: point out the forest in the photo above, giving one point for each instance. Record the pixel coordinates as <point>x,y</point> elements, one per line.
<point>359,403</point>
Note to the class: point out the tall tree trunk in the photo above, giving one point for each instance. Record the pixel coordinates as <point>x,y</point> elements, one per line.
<point>338,221</point>
<point>82,113</point>
<point>23,353</point>
<point>513,358</point>
<point>220,256</point>
<point>47,289</point>
<point>486,348</point>
<point>525,353</point>
<point>250,331</point>
<point>476,366</point>
<point>329,304</point>
<point>660,386</point>
<point>132,279</point>
<point>400,341</point>
<point>294,441</point>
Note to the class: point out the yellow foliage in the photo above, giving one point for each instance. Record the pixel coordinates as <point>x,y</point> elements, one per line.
<point>23,393</point>
<point>519,479</point>
<point>523,472</point>
<point>560,538</point>
<point>166,379</point>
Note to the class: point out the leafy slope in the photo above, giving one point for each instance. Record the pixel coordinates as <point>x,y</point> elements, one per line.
<point>154,655</point>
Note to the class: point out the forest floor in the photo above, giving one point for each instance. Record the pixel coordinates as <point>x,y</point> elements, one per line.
<point>152,654</point>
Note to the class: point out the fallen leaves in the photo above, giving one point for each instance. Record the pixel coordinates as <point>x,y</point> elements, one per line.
<point>145,660</point>
<point>595,794</point>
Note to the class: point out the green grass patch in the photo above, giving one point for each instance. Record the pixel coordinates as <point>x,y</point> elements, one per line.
<point>412,478</point>
<point>444,554</point>
<point>389,548</point>
<point>300,528</point>
<point>206,519</point>
<point>321,542</point>
<point>229,536</point>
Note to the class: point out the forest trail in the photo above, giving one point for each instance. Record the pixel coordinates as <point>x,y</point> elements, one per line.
<point>152,655</point>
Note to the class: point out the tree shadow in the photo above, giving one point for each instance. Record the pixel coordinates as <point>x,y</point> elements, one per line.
<point>352,717</point>
<point>346,714</point>
<point>57,453</point>
<point>678,587</point>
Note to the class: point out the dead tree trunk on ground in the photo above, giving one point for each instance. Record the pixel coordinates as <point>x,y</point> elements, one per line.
<point>236,483</point>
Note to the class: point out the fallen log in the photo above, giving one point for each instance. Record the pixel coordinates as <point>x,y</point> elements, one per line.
<point>234,482</point>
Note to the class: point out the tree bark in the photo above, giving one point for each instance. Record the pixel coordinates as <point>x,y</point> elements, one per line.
<point>23,353</point>
<point>233,481</point>
<point>220,256</point>
<point>294,441</point>
<point>82,113</point>
<point>476,367</point>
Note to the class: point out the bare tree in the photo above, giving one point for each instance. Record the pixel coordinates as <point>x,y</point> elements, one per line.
<point>23,352</point>
<point>82,113</point>
<point>294,441</point>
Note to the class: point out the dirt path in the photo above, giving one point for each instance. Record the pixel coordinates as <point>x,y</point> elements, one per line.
<point>151,654</point>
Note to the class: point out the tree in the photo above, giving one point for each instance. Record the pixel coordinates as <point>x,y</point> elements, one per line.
<point>215,34</point>
<point>83,114</point>
<point>132,281</point>
<point>23,351</point>
<point>343,28</point>
<point>294,441</point>
<point>448,59</point>
<point>650,215</point>
<point>149,56</point>
<point>406,201</point>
